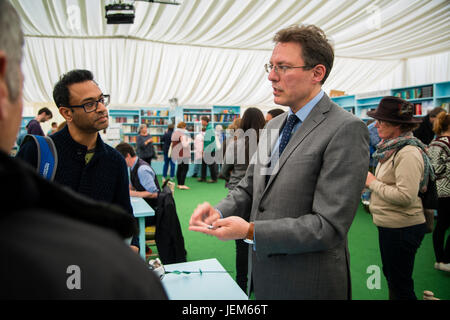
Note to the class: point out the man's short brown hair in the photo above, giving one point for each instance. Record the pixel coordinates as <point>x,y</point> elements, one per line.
<point>316,48</point>
<point>125,149</point>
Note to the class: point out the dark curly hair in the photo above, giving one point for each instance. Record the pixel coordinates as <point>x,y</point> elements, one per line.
<point>61,92</point>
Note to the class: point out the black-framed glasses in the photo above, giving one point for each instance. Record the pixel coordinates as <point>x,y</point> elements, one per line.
<point>91,106</point>
<point>269,67</point>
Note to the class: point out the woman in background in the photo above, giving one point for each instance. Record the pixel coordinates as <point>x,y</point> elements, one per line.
<point>181,153</point>
<point>144,145</point>
<point>167,140</point>
<point>439,151</point>
<point>403,169</point>
<point>240,149</point>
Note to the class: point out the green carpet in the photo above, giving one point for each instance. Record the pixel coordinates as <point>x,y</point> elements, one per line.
<point>363,245</point>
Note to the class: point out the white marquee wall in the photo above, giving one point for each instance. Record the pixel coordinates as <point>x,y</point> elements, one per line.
<point>207,52</point>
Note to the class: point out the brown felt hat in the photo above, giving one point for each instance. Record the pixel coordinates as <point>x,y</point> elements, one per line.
<point>394,109</point>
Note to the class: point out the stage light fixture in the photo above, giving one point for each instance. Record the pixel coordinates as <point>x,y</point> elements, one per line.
<point>119,13</point>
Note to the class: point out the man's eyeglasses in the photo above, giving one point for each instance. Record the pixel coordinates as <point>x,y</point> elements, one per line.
<point>283,69</point>
<point>91,106</point>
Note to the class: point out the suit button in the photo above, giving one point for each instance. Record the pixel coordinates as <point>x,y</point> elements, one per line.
<point>261,209</point>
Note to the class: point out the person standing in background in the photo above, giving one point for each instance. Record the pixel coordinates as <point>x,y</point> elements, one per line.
<point>53,129</point>
<point>236,161</point>
<point>198,152</point>
<point>273,113</point>
<point>209,151</point>
<point>167,140</point>
<point>34,126</point>
<point>403,169</point>
<point>425,131</point>
<point>181,153</point>
<point>144,145</point>
<point>439,151</point>
<point>374,140</point>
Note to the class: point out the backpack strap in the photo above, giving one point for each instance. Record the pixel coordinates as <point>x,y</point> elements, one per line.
<point>47,156</point>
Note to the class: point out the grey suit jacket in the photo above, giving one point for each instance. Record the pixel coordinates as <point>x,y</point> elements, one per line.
<point>303,213</point>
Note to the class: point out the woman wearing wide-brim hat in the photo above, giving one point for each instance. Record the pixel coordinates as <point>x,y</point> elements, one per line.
<point>403,168</point>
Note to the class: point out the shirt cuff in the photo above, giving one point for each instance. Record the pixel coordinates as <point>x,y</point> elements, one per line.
<point>221,215</point>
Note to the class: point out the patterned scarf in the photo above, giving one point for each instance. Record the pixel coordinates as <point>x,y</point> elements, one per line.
<point>387,147</point>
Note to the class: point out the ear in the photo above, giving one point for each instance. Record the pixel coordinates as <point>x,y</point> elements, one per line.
<point>319,73</point>
<point>66,113</point>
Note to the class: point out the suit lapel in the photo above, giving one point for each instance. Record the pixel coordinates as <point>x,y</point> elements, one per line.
<point>316,116</point>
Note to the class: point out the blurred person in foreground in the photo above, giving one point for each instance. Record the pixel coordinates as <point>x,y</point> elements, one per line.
<point>54,243</point>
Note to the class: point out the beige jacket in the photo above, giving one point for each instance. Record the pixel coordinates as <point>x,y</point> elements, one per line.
<point>394,202</point>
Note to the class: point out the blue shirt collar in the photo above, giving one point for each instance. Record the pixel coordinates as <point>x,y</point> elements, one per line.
<point>303,113</point>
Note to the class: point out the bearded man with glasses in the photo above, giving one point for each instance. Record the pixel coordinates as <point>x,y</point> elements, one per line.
<point>85,163</point>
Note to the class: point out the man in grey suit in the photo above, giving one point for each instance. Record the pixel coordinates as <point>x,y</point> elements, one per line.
<point>300,194</point>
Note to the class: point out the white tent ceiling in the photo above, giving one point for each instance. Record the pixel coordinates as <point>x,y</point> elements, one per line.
<point>213,51</point>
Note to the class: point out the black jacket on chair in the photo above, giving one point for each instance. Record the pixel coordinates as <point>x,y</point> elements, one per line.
<point>168,236</point>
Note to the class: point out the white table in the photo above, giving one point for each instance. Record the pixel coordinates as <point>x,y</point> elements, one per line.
<point>141,209</point>
<point>205,286</point>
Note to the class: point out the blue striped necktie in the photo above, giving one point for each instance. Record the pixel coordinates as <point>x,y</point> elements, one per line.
<point>287,130</point>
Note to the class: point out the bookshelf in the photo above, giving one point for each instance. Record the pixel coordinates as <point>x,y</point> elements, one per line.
<point>225,115</point>
<point>346,102</point>
<point>157,120</point>
<point>129,124</point>
<point>424,97</point>
<point>192,118</point>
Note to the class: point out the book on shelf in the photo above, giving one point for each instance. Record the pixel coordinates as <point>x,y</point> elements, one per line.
<point>191,117</point>
<point>129,128</point>
<point>225,117</point>
<point>128,119</point>
<point>155,113</point>
<point>156,130</point>
<point>418,109</point>
<point>415,93</point>
<point>154,122</point>
<point>129,139</point>
<point>446,106</point>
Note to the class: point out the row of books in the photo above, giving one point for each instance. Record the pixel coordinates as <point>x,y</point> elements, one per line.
<point>155,122</point>
<point>156,139</point>
<point>416,93</point>
<point>129,139</point>
<point>156,130</point>
<point>129,119</point>
<point>446,106</point>
<point>155,113</point>
<point>226,111</point>
<point>126,128</point>
<point>192,117</point>
<point>225,117</point>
